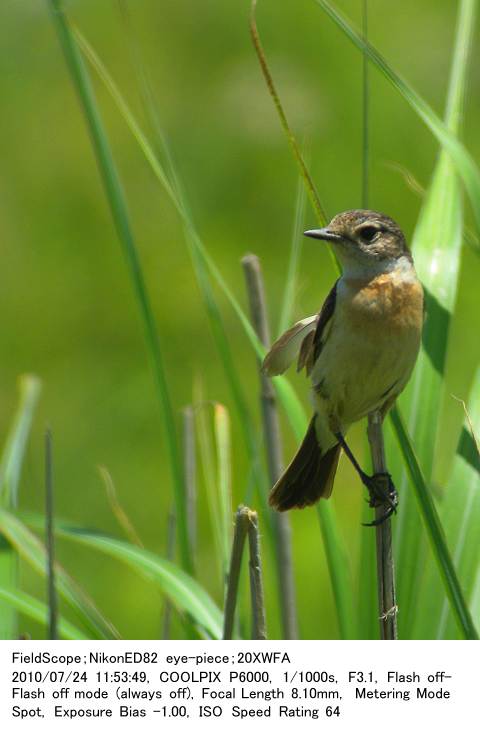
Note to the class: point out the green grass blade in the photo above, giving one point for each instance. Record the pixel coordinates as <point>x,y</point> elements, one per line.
<point>28,547</point>
<point>436,246</point>
<point>182,590</point>
<point>286,315</point>
<point>435,532</point>
<point>34,609</point>
<point>339,570</point>
<point>215,455</point>
<point>171,185</point>
<point>224,478</point>
<point>14,450</point>
<point>121,219</point>
<point>285,392</point>
<point>465,165</point>
<point>460,514</point>
<point>10,469</point>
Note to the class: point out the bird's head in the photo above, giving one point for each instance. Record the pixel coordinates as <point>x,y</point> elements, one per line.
<point>364,240</point>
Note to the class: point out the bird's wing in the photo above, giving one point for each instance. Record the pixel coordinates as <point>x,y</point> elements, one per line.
<point>313,343</point>
<point>284,350</point>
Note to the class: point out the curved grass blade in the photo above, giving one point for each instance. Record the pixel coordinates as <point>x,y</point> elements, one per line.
<point>171,185</point>
<point>32,550</point>
<point>14,450</point>
<point>118,206</point>
<point>465,165</point>
<point>436,244</point>
<point>460,514</point>
<point>10,469</point>
<point>435,532</point>
<point>183,591</point>
<point>286,315</point>
<point>37,610</point>
<point>286,394</point>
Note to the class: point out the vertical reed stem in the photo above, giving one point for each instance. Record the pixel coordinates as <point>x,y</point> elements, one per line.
<point>239,535</point>
<point>271,430</point>
<point>387,603</point>
<point>50,541</point>
<point>366,121</point>
<point>259,629</point>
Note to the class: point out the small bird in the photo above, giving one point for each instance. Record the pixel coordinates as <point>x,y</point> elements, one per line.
<point>359,352</point>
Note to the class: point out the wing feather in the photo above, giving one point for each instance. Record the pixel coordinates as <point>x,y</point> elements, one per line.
<point>284,350</point>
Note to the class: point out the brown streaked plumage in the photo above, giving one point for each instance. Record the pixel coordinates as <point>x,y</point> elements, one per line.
<point>359,351</point>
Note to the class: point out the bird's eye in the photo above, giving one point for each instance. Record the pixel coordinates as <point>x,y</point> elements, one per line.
<point>368,233</point>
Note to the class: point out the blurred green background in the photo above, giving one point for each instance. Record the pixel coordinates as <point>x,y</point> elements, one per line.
<point>68,312</point>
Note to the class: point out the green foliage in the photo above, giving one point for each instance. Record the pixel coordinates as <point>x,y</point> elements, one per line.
<point>436,529</point>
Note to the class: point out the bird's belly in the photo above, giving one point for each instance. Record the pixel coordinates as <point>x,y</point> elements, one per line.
<point>358,369</point>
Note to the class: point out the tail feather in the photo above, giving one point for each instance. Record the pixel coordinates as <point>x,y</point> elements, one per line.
<point>308,477</point>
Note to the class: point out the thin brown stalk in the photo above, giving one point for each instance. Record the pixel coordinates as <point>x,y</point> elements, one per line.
<point>259,628</point>
<point>273,444</point>
<point>239,535</point>
<point>387,602</point>
<point>50,540</point>
<point>310,185</point>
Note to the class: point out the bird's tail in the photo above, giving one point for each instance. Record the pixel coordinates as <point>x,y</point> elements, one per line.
<point>308,477</point>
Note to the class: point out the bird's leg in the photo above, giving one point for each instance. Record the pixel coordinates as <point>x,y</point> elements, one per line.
<point>380,487</point>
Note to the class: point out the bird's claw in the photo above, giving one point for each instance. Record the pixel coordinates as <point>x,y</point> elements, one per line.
<point>382,493</point>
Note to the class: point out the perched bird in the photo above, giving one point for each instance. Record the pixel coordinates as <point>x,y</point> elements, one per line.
<point>359,352</point>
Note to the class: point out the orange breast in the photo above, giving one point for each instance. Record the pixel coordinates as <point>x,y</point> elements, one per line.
<point>387,301</point>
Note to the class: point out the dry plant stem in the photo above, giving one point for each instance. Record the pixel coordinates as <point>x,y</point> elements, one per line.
<point>312,192</point>
<point>242,521</point>
<point>273,443</point>
<point>117,509</point>
<point>190,472</point>
<point>50,541</point>
<point>259,629</point>
<point>387,603</point>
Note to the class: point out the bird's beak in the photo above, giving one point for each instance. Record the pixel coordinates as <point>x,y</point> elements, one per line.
<point>322,233</point>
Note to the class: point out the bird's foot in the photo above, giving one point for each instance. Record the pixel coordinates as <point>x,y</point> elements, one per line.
<point>382,493</point>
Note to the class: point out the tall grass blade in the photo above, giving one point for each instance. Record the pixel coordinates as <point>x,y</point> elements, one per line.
<point>121,219</point>
<point>14,450</point>
<point>190,472</point>
<point>10,470</point>
<point>460,514</point>
<point>38,611</point>
<point>464,163</point>
<point>286,315</point>
<point>435,532</point>
<point>50,540</point>
<point>30,548</point>
<point>296,415</point>
<point>436,245</point>
<point>224,478</point>
<point>182,590</point>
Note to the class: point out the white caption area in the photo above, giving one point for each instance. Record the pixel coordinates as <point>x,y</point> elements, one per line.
<point>188,684</point>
